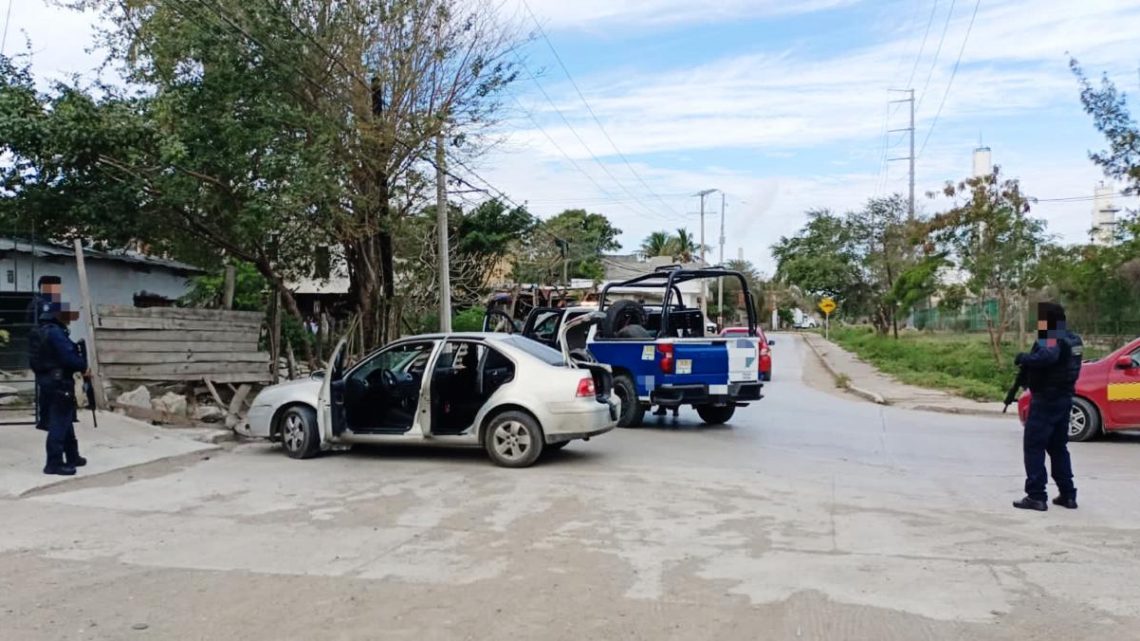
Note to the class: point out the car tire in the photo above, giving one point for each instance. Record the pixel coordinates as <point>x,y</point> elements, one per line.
<point>622,314</point>
<point>514,439</point>
<point>716,414</point>
<point>1084,421</point>
<point>632,412</point>
<point>299,434</point>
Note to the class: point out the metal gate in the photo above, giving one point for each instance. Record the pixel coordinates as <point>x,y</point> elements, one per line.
<point>18,274</point>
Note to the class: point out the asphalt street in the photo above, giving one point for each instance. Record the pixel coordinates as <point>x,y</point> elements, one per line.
<point>812,516</point>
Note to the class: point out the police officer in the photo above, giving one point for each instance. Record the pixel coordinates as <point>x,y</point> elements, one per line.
<point>1051,370</point>
<point>50,291</point>
<point>57,359</point>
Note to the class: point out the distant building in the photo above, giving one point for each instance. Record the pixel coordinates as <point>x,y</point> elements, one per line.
<point>1104,214</point>
<point>624,267</point>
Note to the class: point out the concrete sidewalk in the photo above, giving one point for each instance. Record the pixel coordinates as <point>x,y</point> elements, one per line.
<point>867,382</point>
<point>118,443</point>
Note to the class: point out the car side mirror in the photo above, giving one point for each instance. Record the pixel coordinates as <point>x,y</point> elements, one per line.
<point>771,342</point>
<point>1125,362</point>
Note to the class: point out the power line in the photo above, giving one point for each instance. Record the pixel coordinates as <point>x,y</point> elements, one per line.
<point>569,158</point>
<point>7,21</point>
<point>953,74</point>
<point>937,52</point>
<point>929,22</point>
<point>590,109</point>
<point>582,141</point>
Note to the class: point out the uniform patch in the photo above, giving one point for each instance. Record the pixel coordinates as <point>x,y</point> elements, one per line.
<point>1124,391</point>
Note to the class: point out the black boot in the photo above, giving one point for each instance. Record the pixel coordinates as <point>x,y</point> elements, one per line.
<point>1066,501</point>
<point>78,461</point>
<point>61,470</point>
<point>1031,504</point>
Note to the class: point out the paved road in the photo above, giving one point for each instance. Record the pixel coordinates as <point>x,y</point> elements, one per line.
<point>814,516</point>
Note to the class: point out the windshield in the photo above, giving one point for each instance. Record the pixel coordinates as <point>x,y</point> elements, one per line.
<point>543,353</point>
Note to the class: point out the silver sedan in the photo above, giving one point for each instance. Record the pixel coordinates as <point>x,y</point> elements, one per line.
<point>513,396</point>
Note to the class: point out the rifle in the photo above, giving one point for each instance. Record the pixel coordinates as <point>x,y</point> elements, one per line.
<point>88,388</point>
<point>1011,395</point>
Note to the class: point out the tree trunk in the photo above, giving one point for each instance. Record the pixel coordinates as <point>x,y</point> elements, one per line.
<point>266,269</point>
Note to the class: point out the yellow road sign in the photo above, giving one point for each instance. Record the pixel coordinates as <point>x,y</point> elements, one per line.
<point>827,306</point>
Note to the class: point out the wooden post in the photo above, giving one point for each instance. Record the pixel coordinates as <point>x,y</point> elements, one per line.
<point>89,313</point>
<point>228,286</point>
<point>275,337</point>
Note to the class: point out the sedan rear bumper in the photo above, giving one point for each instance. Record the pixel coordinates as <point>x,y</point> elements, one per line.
<point>580,419</point>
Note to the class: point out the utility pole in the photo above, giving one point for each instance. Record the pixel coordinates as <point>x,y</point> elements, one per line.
<point>910,129</point>
<point>720,281</point>
<point>441,223</point>
<point>704,286</point>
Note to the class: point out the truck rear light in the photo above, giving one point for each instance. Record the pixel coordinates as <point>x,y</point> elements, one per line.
<point>666,362</point>
<point>586,388</point>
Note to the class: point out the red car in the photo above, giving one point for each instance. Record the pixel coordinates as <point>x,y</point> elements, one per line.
<point>765,349</point>
<point>1108,395</point>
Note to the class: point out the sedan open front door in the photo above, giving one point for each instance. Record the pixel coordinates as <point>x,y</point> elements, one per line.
<point>331,416</point>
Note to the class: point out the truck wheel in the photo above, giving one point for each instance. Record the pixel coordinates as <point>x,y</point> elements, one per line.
<point>1084,421</point>
<point>621,314</point>
<point>632,413</point>
<point>716,415</point>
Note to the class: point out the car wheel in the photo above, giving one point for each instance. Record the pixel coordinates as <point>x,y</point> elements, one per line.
<point>1084,421</point>
<point>513,439</point>
<point>714,414</point>
<point>632,413</point>
<point>299,434</point>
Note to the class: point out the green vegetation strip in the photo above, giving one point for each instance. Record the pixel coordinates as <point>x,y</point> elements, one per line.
<point>959,363</point>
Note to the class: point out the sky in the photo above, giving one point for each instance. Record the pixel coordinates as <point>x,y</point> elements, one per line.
<point>630,107</point>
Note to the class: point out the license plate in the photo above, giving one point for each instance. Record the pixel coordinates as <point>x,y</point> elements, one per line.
<point>685,366</point>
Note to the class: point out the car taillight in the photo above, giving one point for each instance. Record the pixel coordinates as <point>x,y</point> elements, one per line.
<point>586,388</point>
<point>666,362</point>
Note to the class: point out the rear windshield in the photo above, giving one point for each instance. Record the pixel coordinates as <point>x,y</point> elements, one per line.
<point>543,353</point>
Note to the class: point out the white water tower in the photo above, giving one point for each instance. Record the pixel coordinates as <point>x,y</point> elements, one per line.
<point>983,162</point>
<point>1104,214</point>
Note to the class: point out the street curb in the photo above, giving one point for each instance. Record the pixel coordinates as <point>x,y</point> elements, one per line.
<point>942,409</point>
<point>854,389</point>
<point>173,458</point>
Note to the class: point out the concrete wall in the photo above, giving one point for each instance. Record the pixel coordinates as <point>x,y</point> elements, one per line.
<point>111,282</point>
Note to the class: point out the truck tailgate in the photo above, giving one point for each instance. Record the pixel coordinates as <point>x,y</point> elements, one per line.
<point>743,359</point>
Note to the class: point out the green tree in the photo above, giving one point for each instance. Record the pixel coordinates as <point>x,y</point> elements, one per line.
<point>685,247</point>
<point>574,239</point>
<point>821,260</point>
<point>658,243</point>
<point>995,241</point>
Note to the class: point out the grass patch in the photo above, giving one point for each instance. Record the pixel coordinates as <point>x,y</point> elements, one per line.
<point>842,381</point>
<point>958,363</point>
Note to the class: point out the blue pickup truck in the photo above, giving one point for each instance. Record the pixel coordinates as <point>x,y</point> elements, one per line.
<point>661,353</point>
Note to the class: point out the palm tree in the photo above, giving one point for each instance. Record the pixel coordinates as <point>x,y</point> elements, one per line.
<point>684,246</point>
<point>659,243</point>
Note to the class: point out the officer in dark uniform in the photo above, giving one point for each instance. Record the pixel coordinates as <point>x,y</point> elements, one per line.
<point>58,359</point>
<point>1052,369</point>
<point>50,291</point>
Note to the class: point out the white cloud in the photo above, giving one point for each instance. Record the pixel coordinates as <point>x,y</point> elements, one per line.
<point>609,14</point>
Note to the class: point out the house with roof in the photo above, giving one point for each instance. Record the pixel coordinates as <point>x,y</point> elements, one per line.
<point>124,278</point>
